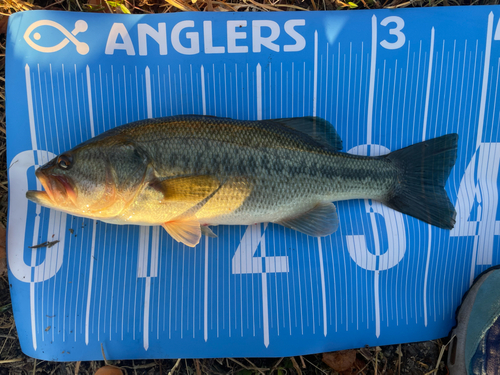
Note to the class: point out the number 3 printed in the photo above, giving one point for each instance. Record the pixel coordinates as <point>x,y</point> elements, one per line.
<point>401,38</point>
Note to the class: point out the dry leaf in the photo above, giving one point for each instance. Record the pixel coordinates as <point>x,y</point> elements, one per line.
<point>109,370</point>
<point>3,24</point>
<point>341,360</point>
<point>181,5</point>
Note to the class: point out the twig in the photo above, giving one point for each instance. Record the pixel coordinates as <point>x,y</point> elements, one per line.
<point>175,367</point>
<point>5,341</point>
<point>296,366</point>
<point>377,350</point>
<point>400,355</point>
<point>303,363</point>
<point>8,337</point>
<point>443,348</point>
<point>197,366</point>
<point>77,367</point>
<point>34,367</point>
<point>255,367</point>
<point>135,367</point>
<point>324,372</point>
<point>104,355</point>
<point>276,364</point>
<point>11,360</point>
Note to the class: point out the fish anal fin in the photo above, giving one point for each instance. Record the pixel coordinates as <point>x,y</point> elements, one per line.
<point>317,128</point>
<point>185,230</point>
<point>186,189</point>
<point>320,221</point>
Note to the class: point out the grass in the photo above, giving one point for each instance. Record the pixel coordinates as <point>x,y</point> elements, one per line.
<point>414,358</point>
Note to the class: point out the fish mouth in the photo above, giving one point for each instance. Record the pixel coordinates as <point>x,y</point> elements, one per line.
<point>58,191</point>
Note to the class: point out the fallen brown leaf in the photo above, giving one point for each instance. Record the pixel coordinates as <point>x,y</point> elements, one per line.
<point>3,24</point>
<point>340,361</point>
<point>109,370</point>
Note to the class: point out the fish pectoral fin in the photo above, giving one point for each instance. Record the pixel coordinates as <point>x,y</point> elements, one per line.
<point>207,232</point>
<point>320,130</point>
<point>320,221</point>
<point>187,189</point>
<point>185,230</point>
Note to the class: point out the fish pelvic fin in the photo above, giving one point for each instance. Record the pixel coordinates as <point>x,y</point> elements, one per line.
<point>206,231</point>
<point>423,170</point>
<point>186,230</point>
<point>320,221</point>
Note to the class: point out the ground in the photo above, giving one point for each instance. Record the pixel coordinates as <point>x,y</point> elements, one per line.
<point>414,358</point>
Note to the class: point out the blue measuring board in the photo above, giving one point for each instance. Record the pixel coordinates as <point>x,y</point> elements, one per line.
<point>385,79</point>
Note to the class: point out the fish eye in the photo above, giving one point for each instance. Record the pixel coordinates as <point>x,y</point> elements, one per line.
<point>65,161</point>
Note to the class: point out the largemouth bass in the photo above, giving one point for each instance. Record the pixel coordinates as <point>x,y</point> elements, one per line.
<point>186,173</point>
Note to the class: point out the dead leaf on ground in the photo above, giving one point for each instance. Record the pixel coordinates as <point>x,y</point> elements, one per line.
<point>109,370</point>
<point>340,361</point>
<point>3,24</point>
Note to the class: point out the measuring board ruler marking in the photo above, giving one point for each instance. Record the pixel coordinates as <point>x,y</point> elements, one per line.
<point>372,99</point>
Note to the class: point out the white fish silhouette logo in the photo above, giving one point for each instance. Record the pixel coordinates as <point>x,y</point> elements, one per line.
<point>80,27</point>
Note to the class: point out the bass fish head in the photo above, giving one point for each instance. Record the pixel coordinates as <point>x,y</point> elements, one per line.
<point>96,179</point>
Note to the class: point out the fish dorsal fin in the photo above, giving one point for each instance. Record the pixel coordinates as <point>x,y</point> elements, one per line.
<point>186,230</point>
<point>320,221</point>
<point>191,189</point>
<point>317,128</point>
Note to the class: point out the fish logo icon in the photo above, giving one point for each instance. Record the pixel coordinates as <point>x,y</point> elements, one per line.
<point>80,27</point>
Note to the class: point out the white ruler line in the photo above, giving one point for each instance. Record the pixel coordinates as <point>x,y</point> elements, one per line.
<point>203,99</point>
<point>33,310</point>
<point>29,98</point>
<point>124,282</point>
<point>248,93</point>
<point>371,95</point>
<point>89,96</point>
<point>424,131</point>
<point>89,289</point>
<point>205,298</point>
<point>265,298</point>
<point>429,79</point>
<point>323,289</point>
<point>37,219</point>
<point>486,72</point>
<point>148,93</point>
<point>214,86</point>
<point>371,89</point>
<point>155,248</point>
<point>376,288</point>
<point>113,93</point>
<point>54,109</point>
<point>66,105</point>
<point>145,329</point>
<point>259,92</point>
<point>315,79</point>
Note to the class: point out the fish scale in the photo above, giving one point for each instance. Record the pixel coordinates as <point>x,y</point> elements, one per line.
<point>188,172</point>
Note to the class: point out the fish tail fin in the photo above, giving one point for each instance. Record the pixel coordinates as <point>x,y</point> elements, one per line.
<point>424,169</point>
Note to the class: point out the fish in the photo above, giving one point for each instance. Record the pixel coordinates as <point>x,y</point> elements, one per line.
<point>188,173</point>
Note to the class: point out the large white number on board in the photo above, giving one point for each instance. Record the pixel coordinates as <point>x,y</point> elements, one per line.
<point>244,260</point>
<point>479,188</point>
<point>401,38</point>
<point>18,244</point>
<point>395,229</point>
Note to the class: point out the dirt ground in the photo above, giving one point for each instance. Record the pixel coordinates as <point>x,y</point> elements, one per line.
<point>414,358</point>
